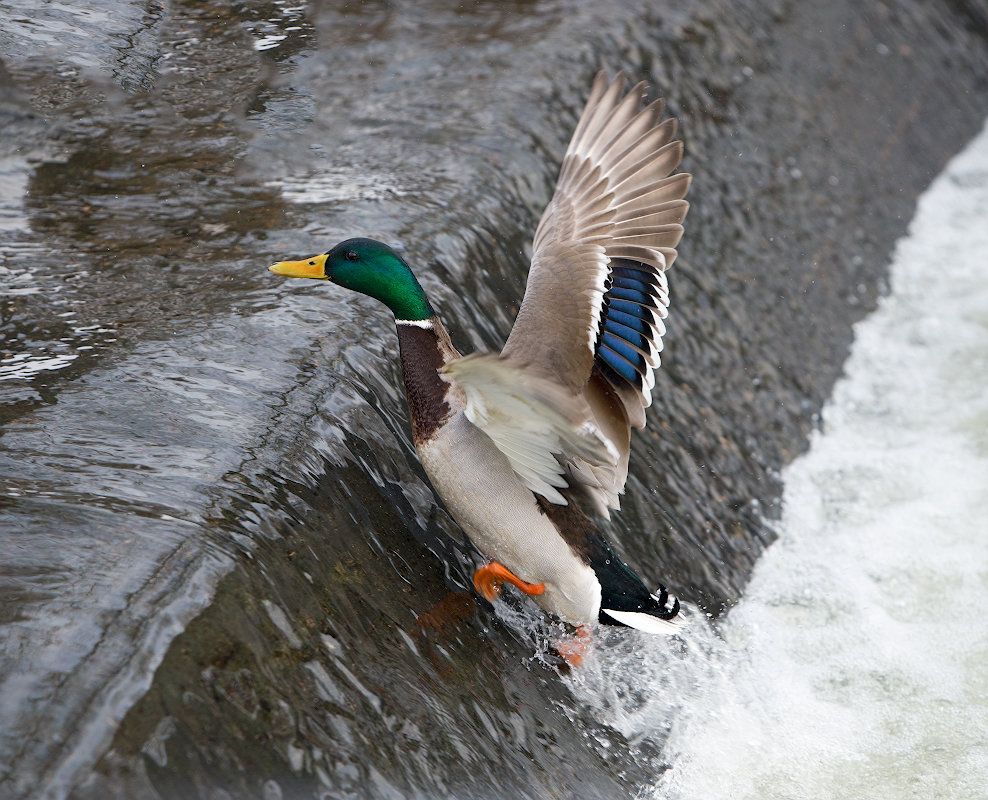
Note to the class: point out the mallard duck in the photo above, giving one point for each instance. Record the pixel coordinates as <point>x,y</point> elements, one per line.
<point>523,446</point>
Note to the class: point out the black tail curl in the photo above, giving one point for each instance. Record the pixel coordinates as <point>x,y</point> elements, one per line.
<point>622,590</point>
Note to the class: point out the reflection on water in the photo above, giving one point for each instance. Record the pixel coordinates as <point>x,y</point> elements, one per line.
<point>222,572</point>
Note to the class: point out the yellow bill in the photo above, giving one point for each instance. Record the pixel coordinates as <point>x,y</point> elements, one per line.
<point>314,267</point>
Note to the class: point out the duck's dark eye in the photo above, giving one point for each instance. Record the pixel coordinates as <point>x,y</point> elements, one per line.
<point>351,255</point>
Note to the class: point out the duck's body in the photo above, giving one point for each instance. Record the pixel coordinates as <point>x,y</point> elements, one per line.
<point>515,444</point>
<point>498,513</point>
<point>502,518</point>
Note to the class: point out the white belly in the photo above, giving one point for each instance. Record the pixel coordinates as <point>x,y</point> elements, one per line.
<point>500,515</point>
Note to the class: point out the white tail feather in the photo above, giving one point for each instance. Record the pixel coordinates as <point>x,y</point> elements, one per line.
<point>644,622</point>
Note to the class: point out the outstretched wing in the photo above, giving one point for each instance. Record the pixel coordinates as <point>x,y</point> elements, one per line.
<point>591,319</point>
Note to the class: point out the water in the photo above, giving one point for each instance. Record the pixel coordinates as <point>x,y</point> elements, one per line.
<point>222,571</point>
<point>857,663</point>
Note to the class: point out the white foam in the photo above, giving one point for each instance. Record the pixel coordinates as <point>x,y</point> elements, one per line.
<point>857,664</point>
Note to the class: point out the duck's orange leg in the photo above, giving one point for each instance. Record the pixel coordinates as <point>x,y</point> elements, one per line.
<point>573,648</point>
<point>488,579</point>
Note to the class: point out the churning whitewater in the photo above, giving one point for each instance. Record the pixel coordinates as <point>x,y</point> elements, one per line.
<point>857,664</point>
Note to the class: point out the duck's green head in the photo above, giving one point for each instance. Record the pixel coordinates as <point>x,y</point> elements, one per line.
<point>368,267</point>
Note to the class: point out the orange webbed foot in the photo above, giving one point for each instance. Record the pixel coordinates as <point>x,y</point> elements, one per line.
<point>573,648</point>
<point>488,580</point>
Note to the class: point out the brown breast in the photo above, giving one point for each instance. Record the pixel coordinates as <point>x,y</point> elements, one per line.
<point>424,350</point>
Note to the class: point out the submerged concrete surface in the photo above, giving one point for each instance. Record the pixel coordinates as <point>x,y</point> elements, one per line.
<point>221,569</point>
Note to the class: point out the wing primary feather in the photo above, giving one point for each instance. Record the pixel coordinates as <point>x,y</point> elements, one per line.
<point>668,213</point>
<point>652,151</point>
<point>640,126</point>
<point>616,121</point>
<point>673,187</point>
<point>600,85</point>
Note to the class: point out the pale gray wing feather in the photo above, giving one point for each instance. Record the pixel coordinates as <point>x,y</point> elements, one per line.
<point>614,199</point>
<point>534,422</point>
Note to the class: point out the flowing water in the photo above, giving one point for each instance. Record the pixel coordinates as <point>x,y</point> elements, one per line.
<point>222,571</point>
<point>857,663</point>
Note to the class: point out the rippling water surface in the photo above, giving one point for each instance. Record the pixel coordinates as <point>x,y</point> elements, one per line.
<point>222,571</point>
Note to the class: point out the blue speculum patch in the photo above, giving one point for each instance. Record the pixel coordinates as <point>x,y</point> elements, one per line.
<point>629,335</point>
<point>622,348</point>
<point>626,331</point>
<point>623,368</point>
<point>632,321</point>
<point>634,295</point>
